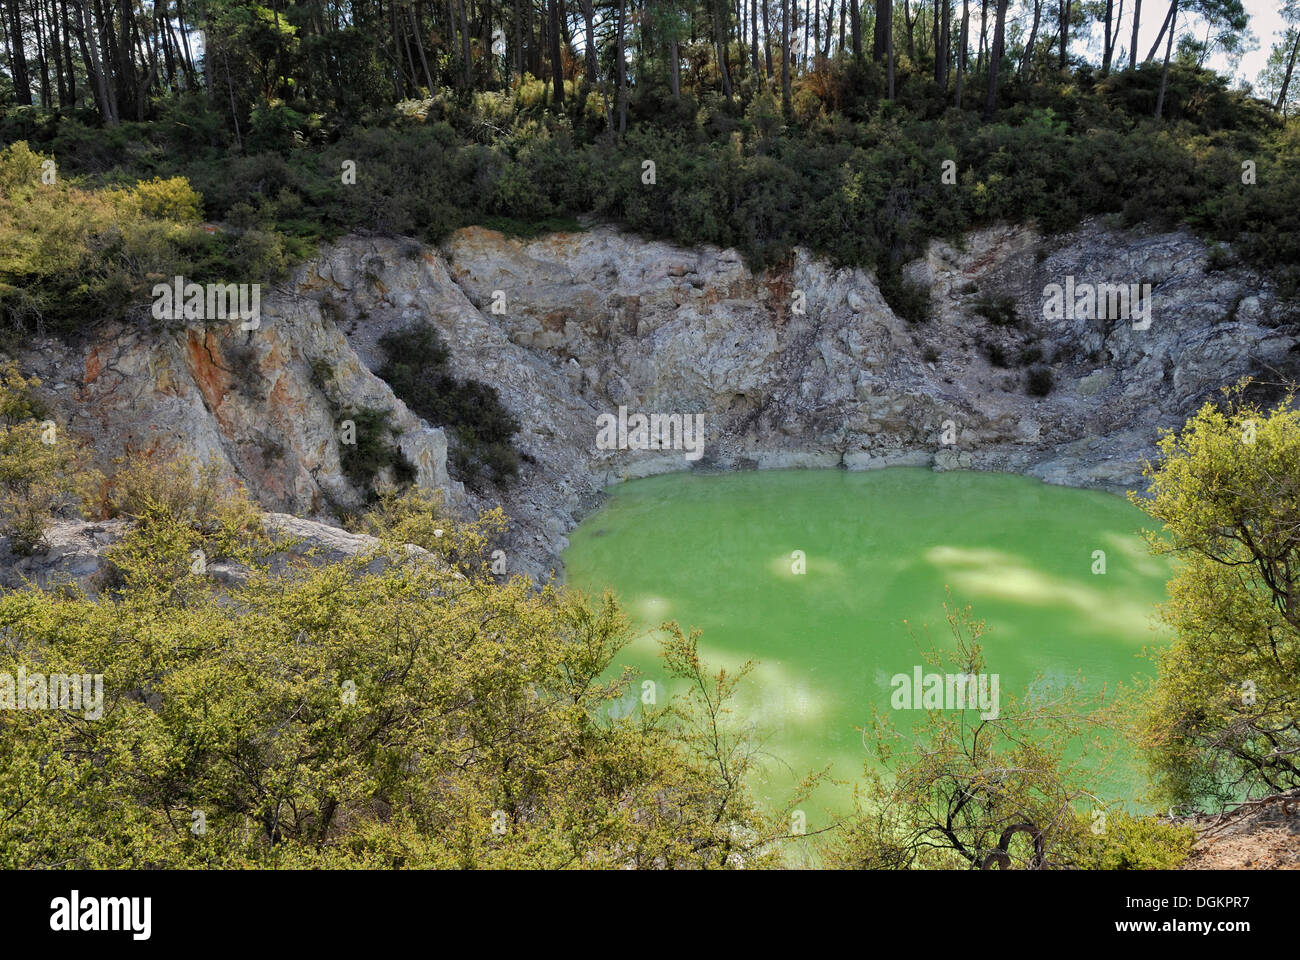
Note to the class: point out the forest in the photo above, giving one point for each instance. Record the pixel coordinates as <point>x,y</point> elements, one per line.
<point>125,59</point>
<point>768,126</point>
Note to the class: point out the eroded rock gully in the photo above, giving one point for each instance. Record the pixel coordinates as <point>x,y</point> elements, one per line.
<point>594,320</point>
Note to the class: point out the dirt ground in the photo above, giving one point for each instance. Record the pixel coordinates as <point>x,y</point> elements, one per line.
<point>1263,836</point>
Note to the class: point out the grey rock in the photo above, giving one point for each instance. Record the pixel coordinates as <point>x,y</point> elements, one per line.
<point>600,319</point>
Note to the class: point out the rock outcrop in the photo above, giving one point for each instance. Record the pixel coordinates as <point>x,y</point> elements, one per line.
<point>801,366</point>
<point>76,553</point>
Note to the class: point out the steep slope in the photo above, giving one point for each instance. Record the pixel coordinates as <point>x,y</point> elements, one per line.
<point>805,365</point>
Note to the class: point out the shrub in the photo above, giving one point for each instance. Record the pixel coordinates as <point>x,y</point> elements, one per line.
<point>417,369</point>
<point>996,354</point>
<point>172,199</point>
<point>422,518</point>
<point>394,710</point>
<point>1137,843</point>
<point>939,794</point>
<point>374,456</point>
<point>1039,382</point>
<point>146,488</point>
<point>999,310</point>
<point>1224,488</point>
<point>35,462</point>
<point>69,255</point>
<point>1031,355</point>
<point>908,300</point>
<point>185,514</point>
<point>847,176</point>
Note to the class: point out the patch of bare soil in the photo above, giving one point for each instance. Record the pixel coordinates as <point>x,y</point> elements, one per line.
<point>1261,835</point>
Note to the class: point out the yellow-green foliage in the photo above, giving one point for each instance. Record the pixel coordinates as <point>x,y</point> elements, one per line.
<point>71,256</point>
<point>172,199</point>
<point>35,462</point>
<point>1220,719</point>
<point>184,506</point>
<point>419,517</point>
<point>1126,842</point>
<point>384,711</point>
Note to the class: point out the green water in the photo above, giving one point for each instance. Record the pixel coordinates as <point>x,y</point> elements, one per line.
<point>715,552</point>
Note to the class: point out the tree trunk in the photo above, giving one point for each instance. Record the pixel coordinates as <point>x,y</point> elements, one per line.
<point>785,55</point>
<point>804,34</point>
<point>889,45</point>
<point>1065,33</point>
<point>90,53</point>
<point>1033,37</point>
<point>880,36</point>
<point>557,65</point>
<point>164,37</point>
<point>67,55</point>
<point>1169,50</point>
<point>934,27</point>
<point>1151,54</point>
<point>995,60</point>
<point>192,73</point>
<point>942,51</point>
<point>1114,34</point>
<point>1105,55</point>
<point>519,40</point>
<point>674,69</point>
<point>1137,20</point>
<point>18,56</point>
<point>419,45</point>
<point>720,39</point>
<point>622,70</point>
<point>464,43</point>
<point>234,110</point>
<point>817,32</point>
<point>126,68</point>
<point>1286,81</point>
<point>767,42</point>
<point>962,52</point>
<point>855,28</point>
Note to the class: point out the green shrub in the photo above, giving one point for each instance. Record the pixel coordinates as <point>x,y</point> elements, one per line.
<point>374,456</point>
<point>850,177</point>
<point>416,367</point>
<point>996,354</point>
<point>999,310</point>
<point>1039,382</point>
<point>1031,355</point>
<point>35,462</point>
<point>1137,843</point>
<point>908,300</point>
<point>172,199</point>
<point>70,256</point>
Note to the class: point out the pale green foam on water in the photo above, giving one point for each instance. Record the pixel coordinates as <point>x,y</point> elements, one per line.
<point>717,552</point>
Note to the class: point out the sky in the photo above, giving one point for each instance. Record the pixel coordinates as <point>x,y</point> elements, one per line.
<point>1266,25</point>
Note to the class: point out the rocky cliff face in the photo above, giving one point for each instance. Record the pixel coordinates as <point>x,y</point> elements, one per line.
<point>805,365</point>
<point>264,404</point>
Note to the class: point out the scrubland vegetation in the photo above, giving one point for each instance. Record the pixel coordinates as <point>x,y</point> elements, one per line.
<point>409,707</point>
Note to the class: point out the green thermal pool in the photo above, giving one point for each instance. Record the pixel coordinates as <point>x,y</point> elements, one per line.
<point>717,552</point>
